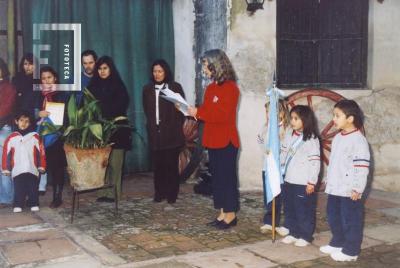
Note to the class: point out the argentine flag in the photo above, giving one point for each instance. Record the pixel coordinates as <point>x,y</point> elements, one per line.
<point>273,177</point>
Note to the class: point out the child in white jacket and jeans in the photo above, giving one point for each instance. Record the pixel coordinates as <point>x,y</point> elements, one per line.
<point>346,180</point>
<point>23,159</point>
<point>300,159</point>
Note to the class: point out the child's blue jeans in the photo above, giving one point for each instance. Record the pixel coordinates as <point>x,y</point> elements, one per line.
<point>299,209</point>
<point>345,218</point>
<point>6,183</point>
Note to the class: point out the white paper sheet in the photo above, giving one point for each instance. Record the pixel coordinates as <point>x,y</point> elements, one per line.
<point>56,110</point>
<point>176,99</point>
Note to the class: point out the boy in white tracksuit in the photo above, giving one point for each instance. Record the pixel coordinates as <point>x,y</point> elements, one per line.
<point>346,180</point>
<point>23,158</point>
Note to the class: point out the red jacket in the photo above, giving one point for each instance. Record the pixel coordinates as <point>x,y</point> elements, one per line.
<point>8,96</point>
<point>219,115</point>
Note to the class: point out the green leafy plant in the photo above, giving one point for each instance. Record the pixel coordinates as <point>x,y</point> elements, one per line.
<point>87,129</point>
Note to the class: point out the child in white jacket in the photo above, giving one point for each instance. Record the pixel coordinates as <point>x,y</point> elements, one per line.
<point>300,159</point>
<point>23,159</point>
<point>346,180</point>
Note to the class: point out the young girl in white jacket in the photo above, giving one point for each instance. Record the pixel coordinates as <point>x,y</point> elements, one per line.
<point>300,159</point>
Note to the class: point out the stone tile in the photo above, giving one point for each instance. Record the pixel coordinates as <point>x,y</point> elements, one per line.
<point>374,203</point>
<point>227,258</point>
<point>10,236</point>
<point>10,219</point>
<point>387,233</point>
<point>322,239</point>
<point>278,252</point>
<point>38,251</point>
<point>394,212</point>
<point>167,264</point>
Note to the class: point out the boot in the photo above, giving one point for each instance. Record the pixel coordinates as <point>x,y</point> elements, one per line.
<point>57,196</point>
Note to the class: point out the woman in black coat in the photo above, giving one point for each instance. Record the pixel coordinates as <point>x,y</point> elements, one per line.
<point>108,87</point>
<point>164,127</point>
<point>27,98</point>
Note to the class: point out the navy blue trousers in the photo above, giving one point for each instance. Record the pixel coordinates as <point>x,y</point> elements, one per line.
<point>268,207</point>
<point>345,218</point>
<point>26,184</point>
<point>300,210</point>
<point>224,178</point>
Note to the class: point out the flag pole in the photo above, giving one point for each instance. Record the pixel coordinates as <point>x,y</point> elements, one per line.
<point>273,200</point>
<point>273,221</point>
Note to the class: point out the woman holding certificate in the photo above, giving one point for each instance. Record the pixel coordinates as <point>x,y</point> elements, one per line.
<point>220,135</point>
<point>164,129</point>
<point>55,155</point>
<point>108,87</point>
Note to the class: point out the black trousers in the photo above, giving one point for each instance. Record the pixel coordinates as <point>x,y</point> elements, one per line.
<point>224,178</point>
<point>26,184</point>
<point>56,163</point>
<point>166,174</point>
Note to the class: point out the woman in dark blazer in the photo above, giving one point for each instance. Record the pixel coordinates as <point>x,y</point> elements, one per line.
<point>164,127</point>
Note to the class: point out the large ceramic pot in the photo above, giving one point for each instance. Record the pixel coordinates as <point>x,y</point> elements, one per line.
<point>87,167</point>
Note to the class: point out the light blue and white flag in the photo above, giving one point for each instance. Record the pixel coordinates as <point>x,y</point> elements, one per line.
<point>273,177</point>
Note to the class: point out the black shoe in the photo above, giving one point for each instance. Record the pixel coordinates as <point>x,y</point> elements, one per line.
<point>171,201</point>
<point>105,199</point>
<point>214,223</point>
<point>157,199</point>
<point>223,225</point>
<point>56,203</point>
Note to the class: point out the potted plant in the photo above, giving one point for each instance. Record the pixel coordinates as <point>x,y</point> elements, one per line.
<point>86,142</point>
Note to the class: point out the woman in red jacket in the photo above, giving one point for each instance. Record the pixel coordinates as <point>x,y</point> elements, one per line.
<point>220,135</point>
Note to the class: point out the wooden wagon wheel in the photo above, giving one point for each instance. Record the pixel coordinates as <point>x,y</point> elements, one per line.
<point>189,157</point>
<point>327,133</point>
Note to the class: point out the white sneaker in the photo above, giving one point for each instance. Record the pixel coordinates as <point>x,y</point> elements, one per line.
<point>301,243</point>
<point>340,256</point>
<point>282,231</point>
<point>327,249</point>
<point>17,209</point>
<point>265,228</point>
<point>289,239</point>
<point>35,208</point>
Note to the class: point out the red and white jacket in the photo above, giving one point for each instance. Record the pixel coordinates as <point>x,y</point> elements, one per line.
<point>23,154</point>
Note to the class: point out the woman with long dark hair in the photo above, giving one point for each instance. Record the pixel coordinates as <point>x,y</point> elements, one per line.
<point>220,135</point>
<point>164,128</point>
<point>108,87</point>
<point>27,98</point>
<point>55,155</point>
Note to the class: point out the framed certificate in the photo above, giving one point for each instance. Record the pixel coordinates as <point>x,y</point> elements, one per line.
<point>56,110</point>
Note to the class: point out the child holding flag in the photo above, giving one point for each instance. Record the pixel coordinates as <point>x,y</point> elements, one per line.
<point>262,138</point>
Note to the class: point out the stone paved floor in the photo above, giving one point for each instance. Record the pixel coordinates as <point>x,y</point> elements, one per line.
<point>155,235</point>
<point>145,230</point>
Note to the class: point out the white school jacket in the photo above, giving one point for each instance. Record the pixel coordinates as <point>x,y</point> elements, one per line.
<point>348,164</point>
<point>23,154</point>
<point>305,164</point>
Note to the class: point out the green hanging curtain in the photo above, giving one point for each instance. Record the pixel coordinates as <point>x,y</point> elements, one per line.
<point>133,33</point>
